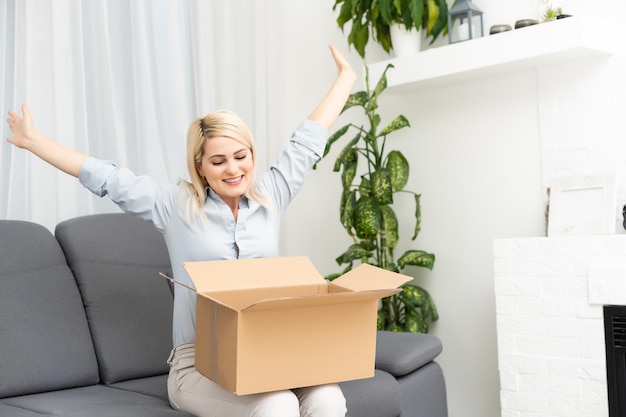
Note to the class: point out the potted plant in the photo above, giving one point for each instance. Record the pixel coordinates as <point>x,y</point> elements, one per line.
<point>551,14</point>
<point>376,16</point>
<point>367,214</point>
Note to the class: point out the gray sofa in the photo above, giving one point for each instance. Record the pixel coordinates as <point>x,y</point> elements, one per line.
<point>85,329</point>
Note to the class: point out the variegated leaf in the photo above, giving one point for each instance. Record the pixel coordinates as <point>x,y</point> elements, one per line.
<point>396,124</point>
<point>398,167</point>
<point>350,164</point>
<point>367,218</point>
<point>381,186</point>
<point>334,137</point>
<point>416,258</point>
<point>390,227</point>
<point>418,217</point>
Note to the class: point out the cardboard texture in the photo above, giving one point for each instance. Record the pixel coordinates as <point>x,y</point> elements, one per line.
<point>275,323</point>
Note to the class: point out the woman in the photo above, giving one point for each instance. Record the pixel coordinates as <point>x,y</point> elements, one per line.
<point>222,213</point>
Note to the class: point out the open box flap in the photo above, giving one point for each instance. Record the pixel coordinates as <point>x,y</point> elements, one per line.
<point>322,299</point>
<point>369,277</point>
<point>252,273</point>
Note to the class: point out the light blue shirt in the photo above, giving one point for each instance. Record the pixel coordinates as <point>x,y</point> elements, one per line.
<point>254,234</point>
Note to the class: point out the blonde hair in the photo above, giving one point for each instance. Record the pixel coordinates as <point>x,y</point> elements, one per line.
<point>219,123</point>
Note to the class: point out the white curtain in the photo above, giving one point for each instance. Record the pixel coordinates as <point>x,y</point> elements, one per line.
<point>122,80</point>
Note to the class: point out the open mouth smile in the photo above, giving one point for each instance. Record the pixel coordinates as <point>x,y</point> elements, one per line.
<point>233,181</point>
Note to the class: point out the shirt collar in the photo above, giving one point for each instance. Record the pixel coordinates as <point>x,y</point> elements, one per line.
<point>243,201</point>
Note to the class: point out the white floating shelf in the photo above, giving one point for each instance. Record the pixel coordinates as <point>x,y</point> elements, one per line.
<point>519,49</point>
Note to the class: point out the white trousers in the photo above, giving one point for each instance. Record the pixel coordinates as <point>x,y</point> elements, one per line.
<point>192,392</point>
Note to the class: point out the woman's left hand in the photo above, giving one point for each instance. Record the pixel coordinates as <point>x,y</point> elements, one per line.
<point>330,107</point>
<point>343,66</point>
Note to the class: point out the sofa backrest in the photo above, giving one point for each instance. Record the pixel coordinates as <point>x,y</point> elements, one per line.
<point>45,343</point>
<point>116,259</point>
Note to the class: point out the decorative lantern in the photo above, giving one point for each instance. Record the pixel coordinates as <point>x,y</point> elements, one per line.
<point>465,22</point>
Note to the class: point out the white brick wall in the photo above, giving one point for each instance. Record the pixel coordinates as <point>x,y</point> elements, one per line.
<point>549,298</point>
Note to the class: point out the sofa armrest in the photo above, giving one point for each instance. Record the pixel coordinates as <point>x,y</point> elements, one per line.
<point>402,353</point>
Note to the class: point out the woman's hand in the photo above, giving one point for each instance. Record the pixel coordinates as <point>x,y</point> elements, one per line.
<point>22,128</point>
<point>25,136</point>
<point>331,105</point>
<point>343,66</point>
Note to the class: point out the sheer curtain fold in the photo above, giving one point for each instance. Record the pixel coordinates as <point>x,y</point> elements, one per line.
<point>121,80</point>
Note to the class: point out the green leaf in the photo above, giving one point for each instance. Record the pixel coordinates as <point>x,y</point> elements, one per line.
<point>354,253</point>
<point>350,164</point>
<point>441,24</point>
<point>432,17</point>
<point>390,226</point>
<point>418,217</point>
<point>381,85</point>
<point>357,99</point>
<point>345,13</point>
<point>334,137</point>
<point>414,297</point>
<point>367,218</point>
<point>416,258</point>
<point>346,149</point>
<point>419,301</point>
<point>368,245</point>
<point>359,35</point>
<point>365,188</point>
<point>385,11</point>
<point>394,327</point>
<point>381,319</point>
<point>346,208</point>
<point>398,166</point>
<point>416,8</point>
<point>396,124</point>
<point>375,123</point>
<point>333,276</point>
<point>383,36</point>
<point>415,323</point>
<point>432,309</point>
<point>381,186</point>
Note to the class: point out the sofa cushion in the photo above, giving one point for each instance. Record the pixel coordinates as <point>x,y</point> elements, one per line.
<point>93,401</point>
<point>155,386</point>
<point>402,353</point>
<point>116,259</point>
<point>423,393</point>
<point>372,397</point>
<point>44,336</point>
<point>8,411</point>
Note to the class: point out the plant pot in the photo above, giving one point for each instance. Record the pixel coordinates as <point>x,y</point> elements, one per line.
<point>404,42</point>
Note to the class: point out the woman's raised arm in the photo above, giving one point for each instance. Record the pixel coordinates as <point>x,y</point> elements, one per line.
<point>331,105</point>
<point>25,136</point>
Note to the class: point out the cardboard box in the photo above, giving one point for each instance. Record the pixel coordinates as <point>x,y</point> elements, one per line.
<point>275,323</point>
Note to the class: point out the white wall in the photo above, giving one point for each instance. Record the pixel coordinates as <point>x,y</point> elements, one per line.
<point>476,155</point>
<point>550,294</point>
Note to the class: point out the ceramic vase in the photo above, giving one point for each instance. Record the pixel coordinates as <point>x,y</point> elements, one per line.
<point>404,42</point>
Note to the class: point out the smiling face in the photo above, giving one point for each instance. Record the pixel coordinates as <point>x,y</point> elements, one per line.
<point>227,166</point>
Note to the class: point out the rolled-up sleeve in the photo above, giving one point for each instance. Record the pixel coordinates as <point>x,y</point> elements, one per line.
<point>311,135</point>
<point>286,176</point>
<point>137,194</point>
<point>94,173</point>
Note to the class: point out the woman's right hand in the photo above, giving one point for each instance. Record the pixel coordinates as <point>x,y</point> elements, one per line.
<point>25,136</point>
<point>22,128</point>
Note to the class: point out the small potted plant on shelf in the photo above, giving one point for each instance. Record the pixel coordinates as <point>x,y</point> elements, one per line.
<point>550,12</point>
<point>376,16</point>
<point>367,214</point>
